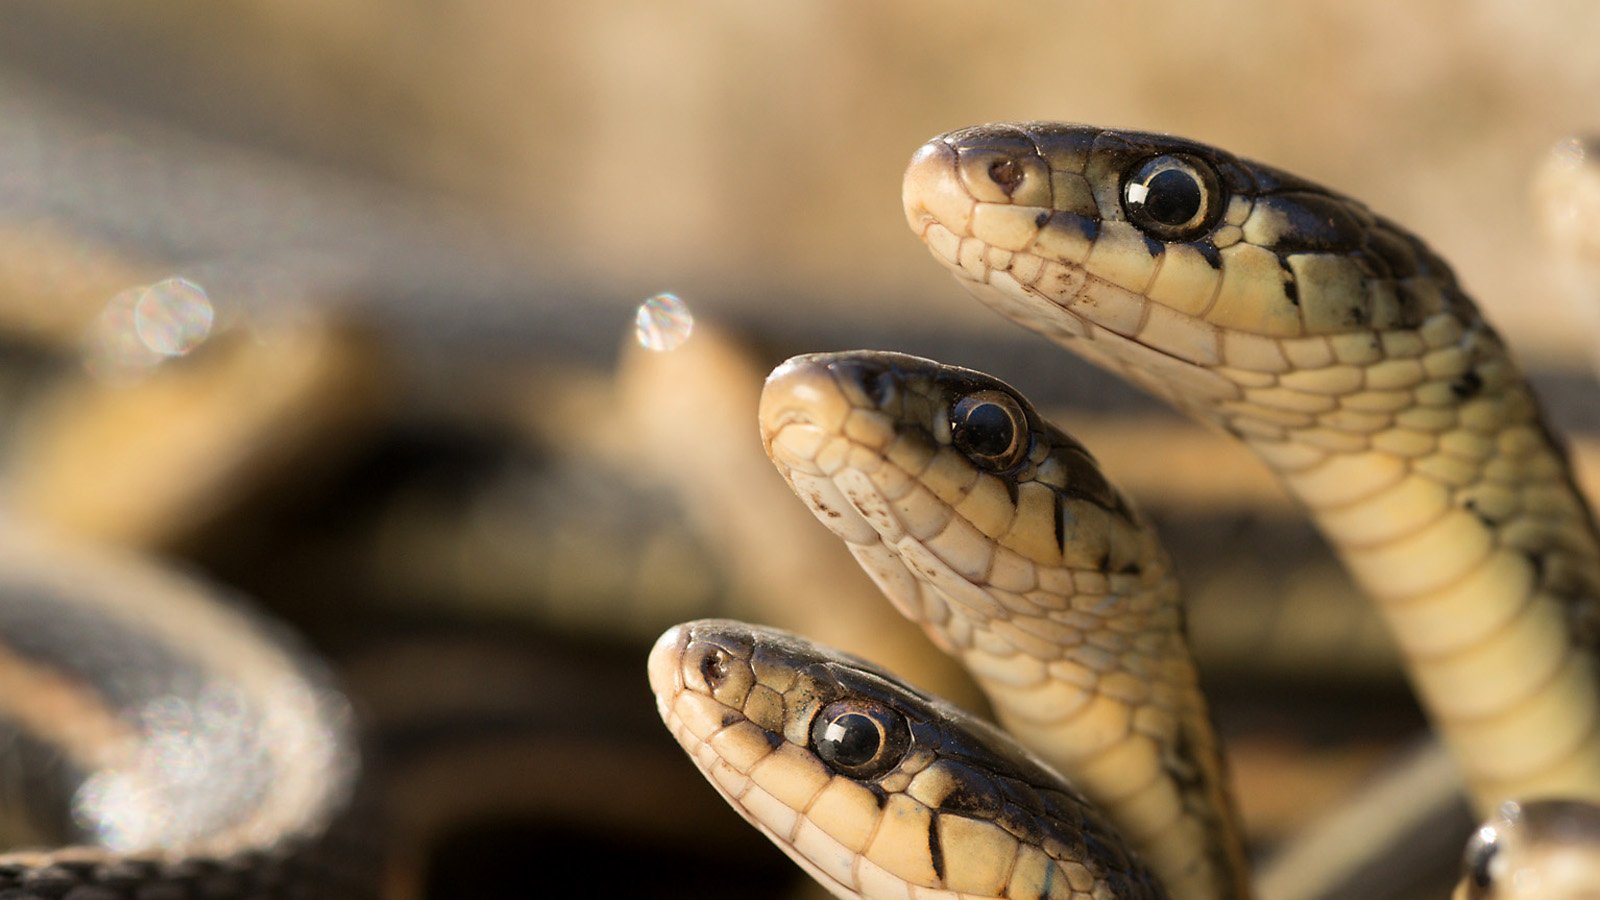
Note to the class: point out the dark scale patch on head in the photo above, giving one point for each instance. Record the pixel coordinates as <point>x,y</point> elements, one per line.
<point>1208,252</point>
<point>876,791</point>
<point>1315,221</point>
<point>1087,482</point>
<point>880,388</point>
<point>973,794</point>
<point>1104,564</point>
<point>1021,795</point>
<point>774,739</point>
<point>935,850</point>
<point>1355,316</point>
<point>1040,220</point>
<point>1396,256</point>
<point>1468,385</point>
<point>1291,289</point>
<point>1130,568</point>
<point>1088,227</point>
<point>731,718</point>
<point>1155,247</point>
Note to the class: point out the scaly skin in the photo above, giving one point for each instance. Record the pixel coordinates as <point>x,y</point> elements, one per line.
<point>1340,349</point>
<point>1034,572</point>
<point>945,808</point>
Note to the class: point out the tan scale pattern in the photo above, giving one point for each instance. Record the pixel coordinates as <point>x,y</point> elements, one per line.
<point>1077,641</point>
<point>1004,825</point>
<point>1342,351</point>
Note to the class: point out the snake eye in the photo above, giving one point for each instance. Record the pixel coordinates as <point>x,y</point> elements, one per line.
<point>989,427</point>
<point>1478,862</point>
<point>860,739</point>
<point>1171,197</point>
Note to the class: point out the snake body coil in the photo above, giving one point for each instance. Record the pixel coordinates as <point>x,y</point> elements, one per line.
<point>1343,352</point>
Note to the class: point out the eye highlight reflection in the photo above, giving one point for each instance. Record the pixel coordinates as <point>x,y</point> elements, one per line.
<point>859,738</point>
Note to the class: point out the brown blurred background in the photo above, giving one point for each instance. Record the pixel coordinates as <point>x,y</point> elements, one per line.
<point>746,154</point>
<point>424,228</point>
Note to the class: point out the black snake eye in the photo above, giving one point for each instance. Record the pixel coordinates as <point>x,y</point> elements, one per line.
<point>1479,860</point>
<point>860,739</point>
<point>989,426</point>
<point>1171,197</point>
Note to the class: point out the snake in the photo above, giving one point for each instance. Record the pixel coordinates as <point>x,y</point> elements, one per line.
<point>875,788</point>
<point>880,790</point>
<point>159,739</point>
<point>1343,351</point>
<point>998,533</point>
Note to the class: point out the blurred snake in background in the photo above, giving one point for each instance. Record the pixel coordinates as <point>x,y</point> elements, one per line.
<point>162,741</point>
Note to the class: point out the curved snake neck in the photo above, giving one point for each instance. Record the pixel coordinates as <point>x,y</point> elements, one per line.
<point>1342,351</point>
<point>1037,574</point>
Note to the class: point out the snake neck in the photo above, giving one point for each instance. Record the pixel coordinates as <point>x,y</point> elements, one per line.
<point>1091,669</point>
<point>1422,456</point>
<point>1019,558</point>
<point>1459,515</point>
<point>1117,705</point>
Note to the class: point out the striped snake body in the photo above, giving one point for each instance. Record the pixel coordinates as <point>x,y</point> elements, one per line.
<point>1340,349</point>
<point>999,535</point>
<point>161,742</point>
<point>876,789</point>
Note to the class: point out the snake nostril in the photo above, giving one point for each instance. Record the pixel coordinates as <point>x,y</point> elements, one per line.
<point>714,667</point>
<point>1007,174</point>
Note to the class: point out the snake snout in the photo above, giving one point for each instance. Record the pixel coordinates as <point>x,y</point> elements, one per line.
<point>665,658</point>
<point>932,192</point>
<point>801,407</point>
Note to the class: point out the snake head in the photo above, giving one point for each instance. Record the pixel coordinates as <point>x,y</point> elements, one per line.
<point>1151,241</point>
<point>872,786</point>
<point>942,475</point>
